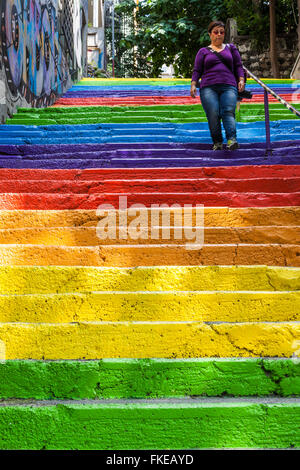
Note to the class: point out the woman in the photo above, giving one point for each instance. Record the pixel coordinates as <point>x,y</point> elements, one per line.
<point>219,86</point>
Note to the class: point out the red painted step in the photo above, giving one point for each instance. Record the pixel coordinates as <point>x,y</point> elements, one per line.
<point>192,185</point>
<point>233,172</point>
<point>46,201</point>
<point>152,100</point>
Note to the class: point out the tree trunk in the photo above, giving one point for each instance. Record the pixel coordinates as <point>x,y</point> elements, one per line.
<point>273,51</point>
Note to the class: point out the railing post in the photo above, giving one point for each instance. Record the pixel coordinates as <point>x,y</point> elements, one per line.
<point>267,124</point>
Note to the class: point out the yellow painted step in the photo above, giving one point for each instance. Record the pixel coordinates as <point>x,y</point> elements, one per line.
<point>156,306</point>
<point>146,340</point>
<point>55,279</point>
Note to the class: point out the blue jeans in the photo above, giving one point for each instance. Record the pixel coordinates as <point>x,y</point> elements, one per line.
<point>219,102</point>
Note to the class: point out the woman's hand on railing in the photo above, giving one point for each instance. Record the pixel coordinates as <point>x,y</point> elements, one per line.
<point>241,84</point>
<point>193,90</point>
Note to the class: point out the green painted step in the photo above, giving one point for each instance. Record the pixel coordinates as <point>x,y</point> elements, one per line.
<point>134,82</point>
<point>105,114</point>
<point>178,109</point>
<point>160,82</point>
<point>158,424</point>
<point>148,378</point>
<point>109,109</point>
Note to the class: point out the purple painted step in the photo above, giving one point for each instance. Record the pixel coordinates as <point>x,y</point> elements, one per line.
<point>91,92</point>
<point>58,163</point>
<point>280,146</point>
<point>143,155</point>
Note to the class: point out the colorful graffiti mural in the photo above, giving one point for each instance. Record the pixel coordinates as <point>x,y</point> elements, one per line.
<point>34,62</point>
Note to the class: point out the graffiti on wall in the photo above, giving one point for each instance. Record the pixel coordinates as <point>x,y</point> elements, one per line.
<point>34,62</point>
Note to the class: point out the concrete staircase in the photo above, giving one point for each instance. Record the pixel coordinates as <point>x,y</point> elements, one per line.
<point>141,343</point>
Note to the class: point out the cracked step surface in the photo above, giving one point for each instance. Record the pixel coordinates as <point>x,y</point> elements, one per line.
<point>100,340</point>
<point>148,378</point>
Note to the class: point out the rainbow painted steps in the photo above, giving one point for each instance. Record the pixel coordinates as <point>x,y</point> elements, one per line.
<point>259,236</point>
<point>160,92</point>
<point>83,89</point>
<point>116,422</point>
<point>206,306</point>
<point>143,343</point>
<point>231,236</point>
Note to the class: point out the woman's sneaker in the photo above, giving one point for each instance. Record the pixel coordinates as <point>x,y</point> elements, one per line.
<point>232,144</point>
<point>218,146</point>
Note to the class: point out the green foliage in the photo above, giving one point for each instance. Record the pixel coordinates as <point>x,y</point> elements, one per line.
<point>252,17</point>
<point>100,73</point>
<point>171,32</point>
<point>130,58</point>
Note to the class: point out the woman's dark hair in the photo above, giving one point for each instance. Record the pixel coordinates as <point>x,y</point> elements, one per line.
<point>213,24</point>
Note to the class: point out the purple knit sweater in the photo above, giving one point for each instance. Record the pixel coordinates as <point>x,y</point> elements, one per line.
<point>212,71</point>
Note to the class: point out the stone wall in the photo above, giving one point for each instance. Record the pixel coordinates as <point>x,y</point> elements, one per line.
<point>259,63</point>
<point>42,51</point>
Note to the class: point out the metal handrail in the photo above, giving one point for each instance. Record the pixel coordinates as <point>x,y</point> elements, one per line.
<point>269,90</point>
<point>266,104</point>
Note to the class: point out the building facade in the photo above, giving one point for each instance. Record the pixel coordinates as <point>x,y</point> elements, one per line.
<point>43,51</point>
